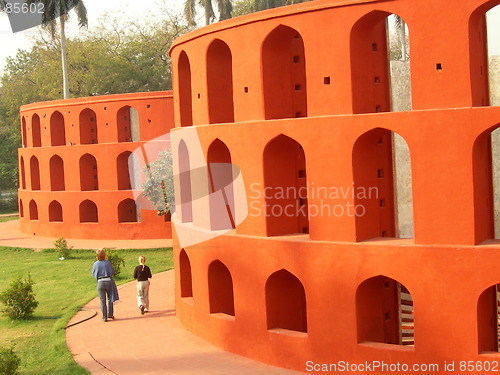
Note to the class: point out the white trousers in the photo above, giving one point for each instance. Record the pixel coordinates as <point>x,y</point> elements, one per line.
<point>143,294</point>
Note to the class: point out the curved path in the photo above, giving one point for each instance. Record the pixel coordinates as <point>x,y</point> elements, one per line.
<point>154,343</point>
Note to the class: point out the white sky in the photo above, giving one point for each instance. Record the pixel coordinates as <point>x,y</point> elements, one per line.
<point>145,10</point>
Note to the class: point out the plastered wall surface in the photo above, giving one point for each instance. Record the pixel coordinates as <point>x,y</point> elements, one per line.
<point>319,270</point>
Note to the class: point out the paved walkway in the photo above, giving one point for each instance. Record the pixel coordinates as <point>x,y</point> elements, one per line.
<point>155,343</point>
<point>151,344</point>
<point>10,235</point>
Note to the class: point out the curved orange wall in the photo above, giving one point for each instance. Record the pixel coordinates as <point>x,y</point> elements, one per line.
<point>76,151</point>
<point>326,288</point>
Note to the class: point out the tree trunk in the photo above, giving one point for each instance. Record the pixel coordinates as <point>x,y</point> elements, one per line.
<point>402,32</point>
<point>64,54</point>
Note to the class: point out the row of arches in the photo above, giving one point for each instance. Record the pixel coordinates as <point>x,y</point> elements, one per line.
<point>127,123</point>
<point>385,210</point>
<point>127,211</point>
<point>385,311</point>
<point>88,172</point>
<point>284,78</point>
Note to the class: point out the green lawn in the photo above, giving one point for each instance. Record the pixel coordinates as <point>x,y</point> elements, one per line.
<point>62,288</point>
<point>8,218</point>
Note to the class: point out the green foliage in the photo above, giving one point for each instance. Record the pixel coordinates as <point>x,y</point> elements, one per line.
<point>158,186</point>
<point>19,299</point>
<point>8,201</point>
<point>9,361</point>
<point>110,59</point>
<point>242,7</point>
<point>62,288</point>
<point>224,8</point>
<point>116,260</point>
<point>61,245</point>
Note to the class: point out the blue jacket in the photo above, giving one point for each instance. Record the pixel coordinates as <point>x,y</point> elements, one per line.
<point>102,268</point>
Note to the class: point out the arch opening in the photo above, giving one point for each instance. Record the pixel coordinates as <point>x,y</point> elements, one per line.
<point>486,182</point>
<point>33,207</point>
<point>128,212</point>
<point>284,74</point>
<point>220,83</point>
<point>221,199</point>
<point>185,273</point>
<point>384,312</point>
<point>185,184</point>
<point>55,212</point>
<point>220,289</point>
<point>122,171</point>
<point>382,183</point>
<point>23,132</point>
<point>88,127</point>
<point>285,302</point>
<point>35,173</point>
<point>57,129</point>
<point>185,90</point>
<point>88,173</point>
<point>285,171</point>
<point>36,135</point>
<point>56,166</point>
<point>488,318</point>
<point>88,212</point>
<point>22,171</point>
<point>484,55</point>
<point>127,120</point>
<point>380,63</point>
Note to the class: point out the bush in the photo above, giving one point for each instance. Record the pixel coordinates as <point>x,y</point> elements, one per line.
<point>9,361</point>
<point>19,299</point>
<point>115,259</point>
<point>8,203</point>
<point>61,246</point>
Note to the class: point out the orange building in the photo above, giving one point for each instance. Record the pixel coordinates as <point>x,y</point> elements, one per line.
<point>297,99</point>
<point>74,166</point>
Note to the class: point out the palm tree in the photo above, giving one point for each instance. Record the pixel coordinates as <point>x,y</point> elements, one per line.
<point>400,25</point>
<point>224,6</point>
<point>59,9</point>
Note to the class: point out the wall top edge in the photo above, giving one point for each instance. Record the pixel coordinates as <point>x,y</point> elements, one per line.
<point>268,14</point>
<point>417,113</point>
<point>98,100</point>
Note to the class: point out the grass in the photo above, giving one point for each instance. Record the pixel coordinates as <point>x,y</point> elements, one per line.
<point>62,288</point>
<point>3,219</point>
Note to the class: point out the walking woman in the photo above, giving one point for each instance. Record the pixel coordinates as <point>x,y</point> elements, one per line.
<point>142,273</point>
<point>106,288</point>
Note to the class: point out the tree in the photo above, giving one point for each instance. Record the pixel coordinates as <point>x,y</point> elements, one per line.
<point>242,7</point>
<point>111,59</point>
<point>400,26</point>
<point>224,6</point>
<point>158,185</point>
<point>54,9</point>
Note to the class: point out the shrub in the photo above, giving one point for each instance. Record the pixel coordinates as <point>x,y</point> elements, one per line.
<point>9,361</point>
<point>116,260</point>
<point>61,246</point>
<point>19,299</point>
<point>8,203</point>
